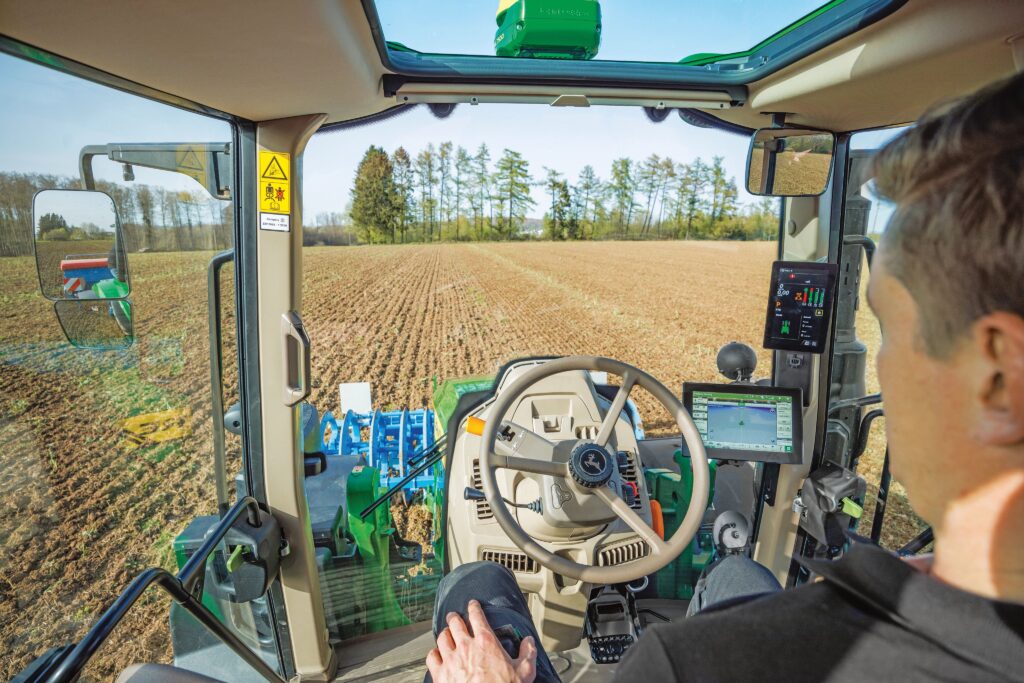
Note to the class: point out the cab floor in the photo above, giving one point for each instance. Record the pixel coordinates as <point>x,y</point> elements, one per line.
<point>398,655</point>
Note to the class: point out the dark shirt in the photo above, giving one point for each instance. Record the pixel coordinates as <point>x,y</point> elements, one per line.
<point>873,618</point>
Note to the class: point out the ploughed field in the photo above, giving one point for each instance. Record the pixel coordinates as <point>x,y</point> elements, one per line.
<point>83,508</point>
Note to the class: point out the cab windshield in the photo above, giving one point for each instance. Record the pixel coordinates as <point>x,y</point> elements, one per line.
<point>439,249</point>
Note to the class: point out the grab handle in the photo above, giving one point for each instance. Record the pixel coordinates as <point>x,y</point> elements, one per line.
<point>295,358</point>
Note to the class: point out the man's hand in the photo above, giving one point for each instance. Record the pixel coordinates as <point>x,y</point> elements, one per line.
<point>462,656</point>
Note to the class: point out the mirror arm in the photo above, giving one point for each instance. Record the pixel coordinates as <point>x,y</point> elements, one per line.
<point>209,164</point>
<point>85,164</point>
<point>216,372</point>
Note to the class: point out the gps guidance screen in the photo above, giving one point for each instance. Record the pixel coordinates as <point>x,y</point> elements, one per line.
<point>744,422</point>
<point>798,308</point>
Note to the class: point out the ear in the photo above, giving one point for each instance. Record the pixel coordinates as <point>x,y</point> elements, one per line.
<point>999,342</point>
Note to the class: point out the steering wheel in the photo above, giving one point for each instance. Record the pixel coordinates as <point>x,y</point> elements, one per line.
<point>591,470</point>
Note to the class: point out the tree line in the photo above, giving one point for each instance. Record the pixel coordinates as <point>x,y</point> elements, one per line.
<point>153,218</point>
<point>445,193</point>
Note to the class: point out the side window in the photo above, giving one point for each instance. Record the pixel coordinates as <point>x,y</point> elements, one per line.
<point>900,524</point>
<point>105,455</point>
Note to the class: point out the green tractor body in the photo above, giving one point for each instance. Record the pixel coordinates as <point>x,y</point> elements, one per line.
<point>548,29</point>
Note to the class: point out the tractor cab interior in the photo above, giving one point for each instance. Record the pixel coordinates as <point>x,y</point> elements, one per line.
<point>606,442</point>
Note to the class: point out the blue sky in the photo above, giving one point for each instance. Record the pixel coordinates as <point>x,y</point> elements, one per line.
<point>48,116</point>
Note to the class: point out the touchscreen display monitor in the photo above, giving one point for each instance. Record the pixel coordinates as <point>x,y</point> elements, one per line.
<point>747,422</point>
<point>799,306</point>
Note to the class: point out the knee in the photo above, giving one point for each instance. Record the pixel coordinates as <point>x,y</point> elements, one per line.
<point>741,571</point>
<point>478,574</point>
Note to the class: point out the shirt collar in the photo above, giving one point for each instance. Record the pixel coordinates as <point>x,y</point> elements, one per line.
<point>987,632</point>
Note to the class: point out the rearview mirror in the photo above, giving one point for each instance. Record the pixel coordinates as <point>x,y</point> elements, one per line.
<point>79,248</point>
<point>96,324</point>
<point>789,162</point>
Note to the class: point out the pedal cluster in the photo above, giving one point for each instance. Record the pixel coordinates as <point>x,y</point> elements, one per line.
<point>609,649</point>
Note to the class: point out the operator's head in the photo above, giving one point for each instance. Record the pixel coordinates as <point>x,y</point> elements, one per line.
<point>948,289</point>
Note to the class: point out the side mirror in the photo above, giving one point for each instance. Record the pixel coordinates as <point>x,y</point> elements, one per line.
<point>79,247</point>
<point>95,323</point>
<point>789,162</point>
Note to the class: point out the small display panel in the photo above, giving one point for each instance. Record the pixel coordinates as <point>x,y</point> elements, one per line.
<point>747,422</point>
<point>799,306</point>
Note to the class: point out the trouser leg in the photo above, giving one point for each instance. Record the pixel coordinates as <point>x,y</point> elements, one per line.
<point>735,576</point>
<point>495,588</point>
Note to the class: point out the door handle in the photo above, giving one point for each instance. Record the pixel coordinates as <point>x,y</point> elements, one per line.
<point>295,358</point>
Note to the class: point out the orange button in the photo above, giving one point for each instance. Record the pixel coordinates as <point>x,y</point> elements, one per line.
<point>475,426</point>
<point>657,519</point>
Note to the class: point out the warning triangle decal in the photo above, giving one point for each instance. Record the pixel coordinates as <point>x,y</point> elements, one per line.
<point>273,171</point>
<point>191,161</point>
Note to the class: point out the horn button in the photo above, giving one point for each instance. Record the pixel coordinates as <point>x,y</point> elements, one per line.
<point>590,465</point>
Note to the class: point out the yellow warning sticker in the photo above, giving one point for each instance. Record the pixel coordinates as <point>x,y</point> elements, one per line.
<point>275,170</point>
<point>191,160</point>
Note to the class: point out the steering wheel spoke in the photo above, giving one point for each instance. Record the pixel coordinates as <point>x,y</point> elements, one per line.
<point>612,416</point>
<point>633,520</point>
<point>531,465</point>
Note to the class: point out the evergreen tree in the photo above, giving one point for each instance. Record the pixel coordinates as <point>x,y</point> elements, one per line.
<point>404,191</point>
<point>426,175</point>
<point>463,171</point>
<point>444,169</point>
<point>693,181</point>
<point>552,180</point>
<point>482,188</point>
<point>648,180</point>
<point>623,189</point>
<point>723,192</point>
<point>52,226</point>
<point>512,189</point>
<point>588,188</point>
<point>374,198</point>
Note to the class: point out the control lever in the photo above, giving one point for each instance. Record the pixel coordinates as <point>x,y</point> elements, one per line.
<point>827,503</point>
<point>251,561</point>
<point>471,493</point>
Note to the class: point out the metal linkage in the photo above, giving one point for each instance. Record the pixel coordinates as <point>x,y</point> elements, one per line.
<point>859,402</point>
<point>865,431</point>
<point>216,372</point>
<point>919,543</point>
<point>426,459</point>
<point>396,439</point>
<point>186,589</point>
<point>881,500</point>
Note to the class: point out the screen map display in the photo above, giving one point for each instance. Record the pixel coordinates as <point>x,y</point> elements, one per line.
<point>747,422</point>
<point>799,306</point>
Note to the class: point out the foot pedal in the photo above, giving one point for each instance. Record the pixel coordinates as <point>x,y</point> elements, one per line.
<point>609,649</point>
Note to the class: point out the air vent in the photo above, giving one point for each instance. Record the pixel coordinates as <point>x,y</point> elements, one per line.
<point>587,432</point>
<point>622,553</point>
<point>629,475</point>
<point>521,563</point>
<point>483,508</point>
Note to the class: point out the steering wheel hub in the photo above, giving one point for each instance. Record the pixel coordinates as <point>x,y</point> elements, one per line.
<point>590,465</point>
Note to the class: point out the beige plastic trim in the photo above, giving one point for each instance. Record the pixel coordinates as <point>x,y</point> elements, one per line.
<point>556,96</point>
<point>805,238</point>
<point>776,537</point>
<point>280,294</point>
